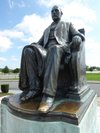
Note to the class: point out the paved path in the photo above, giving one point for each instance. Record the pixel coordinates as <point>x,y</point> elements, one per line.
<point>13,85</point>
<point>95,86</point>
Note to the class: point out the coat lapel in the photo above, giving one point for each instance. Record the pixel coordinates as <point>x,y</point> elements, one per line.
<point>46,36</point>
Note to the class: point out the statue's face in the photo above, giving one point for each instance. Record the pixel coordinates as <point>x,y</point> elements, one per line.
<point>56,13</point>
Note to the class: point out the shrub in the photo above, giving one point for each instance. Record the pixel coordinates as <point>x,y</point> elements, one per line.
<point>16,70</point>
<point>5,88</point>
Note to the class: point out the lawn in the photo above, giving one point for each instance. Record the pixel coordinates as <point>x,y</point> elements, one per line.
<point>93,76</point>
<point>5,94</point>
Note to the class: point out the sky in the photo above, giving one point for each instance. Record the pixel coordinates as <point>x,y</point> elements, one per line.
<point>23,22</point>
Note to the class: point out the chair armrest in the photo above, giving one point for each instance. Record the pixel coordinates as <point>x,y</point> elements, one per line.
<point>33,43</point>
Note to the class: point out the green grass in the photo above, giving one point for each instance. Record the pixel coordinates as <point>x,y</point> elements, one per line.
<point>10,79</point>
<point>5,94</point>
<point>93,76</point>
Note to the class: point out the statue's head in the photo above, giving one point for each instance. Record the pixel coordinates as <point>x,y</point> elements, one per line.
<point>56,13</point>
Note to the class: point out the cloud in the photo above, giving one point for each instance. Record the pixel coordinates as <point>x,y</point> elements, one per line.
<point>33,26</point>
<point>50,3</point>
<point>2,59</point>
<point>5,43</point>
<point>7,38</point>
<point>13,3</point>
<point>79,11</point>
<point>12,34</point>
<point>14,58</point>
<point>82,16</point>
<point>76,11</point>
<point>92,52</point>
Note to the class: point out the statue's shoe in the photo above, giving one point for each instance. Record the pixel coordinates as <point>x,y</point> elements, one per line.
<point>46,104</point>
<point>29,95</point>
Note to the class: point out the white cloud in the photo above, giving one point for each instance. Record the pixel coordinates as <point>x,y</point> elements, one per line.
<point>92,52</point>
<point>12,34</point>
<point>8,36</point>
<point>33,26</point>
<point>2,59</point>
<point>14,58</point>
<point>5,43</point>
<point>13,3</point>
<point>50,3</point>
<point>76,11</point>
<point>79,11</point>
<point>82,16</point>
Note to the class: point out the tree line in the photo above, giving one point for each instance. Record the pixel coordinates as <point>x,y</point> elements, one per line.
<point>6,69</point>
<point>92,68</point>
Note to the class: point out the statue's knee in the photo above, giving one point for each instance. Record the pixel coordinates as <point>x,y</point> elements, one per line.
<point>27,50</point>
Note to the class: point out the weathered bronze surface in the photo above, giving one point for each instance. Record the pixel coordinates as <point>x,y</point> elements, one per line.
<point>62,110</point>
<point>55,65</point>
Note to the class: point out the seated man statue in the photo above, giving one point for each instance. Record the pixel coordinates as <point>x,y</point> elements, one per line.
<point>41,60</point>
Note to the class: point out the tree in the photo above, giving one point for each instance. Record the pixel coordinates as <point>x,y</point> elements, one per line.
<point>98,68</point>
<point>5,69</point>
<point>87,68</point>
<point>16,70</point>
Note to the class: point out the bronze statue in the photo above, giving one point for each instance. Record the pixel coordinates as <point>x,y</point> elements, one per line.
<point>41,61</point>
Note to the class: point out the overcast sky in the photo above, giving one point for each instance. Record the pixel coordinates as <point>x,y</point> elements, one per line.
<point>23,22</point>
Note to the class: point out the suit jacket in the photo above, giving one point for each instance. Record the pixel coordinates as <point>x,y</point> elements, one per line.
<point>64,32</point>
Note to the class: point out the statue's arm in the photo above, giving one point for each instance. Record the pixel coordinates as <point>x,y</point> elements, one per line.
<point>76,37</point>
<point>73,32</point>
<point>40,42</point>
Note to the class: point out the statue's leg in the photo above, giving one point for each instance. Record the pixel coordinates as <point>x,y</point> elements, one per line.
<point>29,75</point>
<point>23,84</point>
<point>52,65</point>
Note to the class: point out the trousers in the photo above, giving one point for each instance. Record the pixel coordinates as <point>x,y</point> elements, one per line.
<point>37,62</point>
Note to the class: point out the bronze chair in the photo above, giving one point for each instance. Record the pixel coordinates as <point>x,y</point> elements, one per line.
<point>71,79</point>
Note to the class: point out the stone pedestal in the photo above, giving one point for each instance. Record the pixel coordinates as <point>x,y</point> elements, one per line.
<point>66,116</point>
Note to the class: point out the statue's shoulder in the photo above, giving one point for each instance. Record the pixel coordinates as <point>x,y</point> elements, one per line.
<point>47,29</point>
<point>65,23</point>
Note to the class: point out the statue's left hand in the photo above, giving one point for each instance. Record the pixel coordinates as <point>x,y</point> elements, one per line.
<point>76,40</point>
